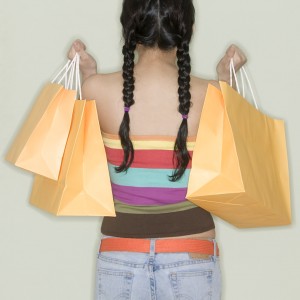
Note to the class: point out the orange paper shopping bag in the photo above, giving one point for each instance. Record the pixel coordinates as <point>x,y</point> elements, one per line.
<point>40,142</point>
<point>83,187</point>
<point>240,168</point>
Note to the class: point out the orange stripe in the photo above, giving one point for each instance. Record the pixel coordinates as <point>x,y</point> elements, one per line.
<point>161,246</point>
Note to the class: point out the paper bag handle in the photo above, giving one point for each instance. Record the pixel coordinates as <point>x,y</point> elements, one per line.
<point>65,70</point>
<point>74,76</point>
<point>243,73</point>
<point>77,75</point>
<point>71,74</point>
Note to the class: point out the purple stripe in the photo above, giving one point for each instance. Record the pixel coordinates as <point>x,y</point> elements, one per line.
<point>148,195</point>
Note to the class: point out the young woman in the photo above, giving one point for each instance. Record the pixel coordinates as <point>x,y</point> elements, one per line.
<point>160,245</point>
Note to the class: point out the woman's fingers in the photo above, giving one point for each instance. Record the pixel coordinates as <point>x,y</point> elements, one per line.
<point>238,56</point>
<point>239,59</point>
<point>87,65</point>
<point>77,47</point>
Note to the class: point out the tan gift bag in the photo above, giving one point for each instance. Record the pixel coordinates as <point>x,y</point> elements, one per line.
<point>83,187</point>
<point>240,168</point>
<point>39,145</point>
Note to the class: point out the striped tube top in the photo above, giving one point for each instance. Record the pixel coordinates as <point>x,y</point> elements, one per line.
<point>145,192</point>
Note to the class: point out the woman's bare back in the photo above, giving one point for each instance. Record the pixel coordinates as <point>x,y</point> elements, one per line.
<point>155,111</point>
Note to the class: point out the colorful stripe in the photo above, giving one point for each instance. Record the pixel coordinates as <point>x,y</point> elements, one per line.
<point>152,209</point>
<point>154,159</point>
<point>145,188</point>
<point>170,138</point>
<point>148,196</point>
<point>153,144</point>
<point>142,177</point>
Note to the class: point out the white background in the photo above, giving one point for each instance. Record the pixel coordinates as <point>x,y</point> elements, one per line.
<point>46,257</point>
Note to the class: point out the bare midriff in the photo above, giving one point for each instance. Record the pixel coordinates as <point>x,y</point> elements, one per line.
<point>207,235</point>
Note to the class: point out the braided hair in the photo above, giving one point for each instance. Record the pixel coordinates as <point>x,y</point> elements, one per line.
<point>180,148</point>
<point>165,24</point>
<point>128,88</point>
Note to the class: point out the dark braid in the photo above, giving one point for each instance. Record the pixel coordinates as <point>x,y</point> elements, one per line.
<point>180,148</point>
<point>128,88</point>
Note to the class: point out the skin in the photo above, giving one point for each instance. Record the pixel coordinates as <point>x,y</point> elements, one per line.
<point>156,99</point>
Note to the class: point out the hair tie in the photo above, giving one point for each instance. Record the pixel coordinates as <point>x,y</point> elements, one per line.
<point>185,116</point>
<point>126,108</point>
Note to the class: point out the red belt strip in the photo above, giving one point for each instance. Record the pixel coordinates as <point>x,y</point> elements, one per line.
<point>161,246</point>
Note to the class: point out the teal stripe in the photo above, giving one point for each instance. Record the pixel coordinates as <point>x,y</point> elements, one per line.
<point>140,177</point>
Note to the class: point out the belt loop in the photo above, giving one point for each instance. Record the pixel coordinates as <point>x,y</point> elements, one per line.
<point>215,249</point>
<point>152,247</point>
<point>99,246</point>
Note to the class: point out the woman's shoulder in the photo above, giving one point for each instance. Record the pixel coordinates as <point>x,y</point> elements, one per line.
<point>99,85</point>
<point>96,85</point>
<point>203,83</point>
<point>102,79</point>
<point>199,88</point>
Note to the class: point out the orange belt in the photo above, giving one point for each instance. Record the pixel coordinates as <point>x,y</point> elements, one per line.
<point>161,245</point>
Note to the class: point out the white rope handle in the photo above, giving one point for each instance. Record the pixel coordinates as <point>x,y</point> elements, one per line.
<point>77,73</point>
<point>70,73</point>
<point>74,76</point>
<point>65,68</point>
<point>243,73</point>
<point>243,69</point>
<point>232,72</point>
<point>243,84</point>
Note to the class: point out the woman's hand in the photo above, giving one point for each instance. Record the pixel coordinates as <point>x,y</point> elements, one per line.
<point>88,65</point>
<point>239,59</point>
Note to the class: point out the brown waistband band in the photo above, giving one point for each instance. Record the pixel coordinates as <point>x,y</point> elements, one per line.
<point>161,245</point>
<point>126,225</point>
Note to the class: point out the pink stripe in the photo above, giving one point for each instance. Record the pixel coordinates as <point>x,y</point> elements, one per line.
<point>151,159</point>
<point>148,196</point>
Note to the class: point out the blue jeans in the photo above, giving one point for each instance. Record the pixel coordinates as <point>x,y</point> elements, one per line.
<point>157,276</point>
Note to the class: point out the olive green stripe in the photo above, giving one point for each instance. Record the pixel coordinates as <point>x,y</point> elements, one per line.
<point>158,209</point>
